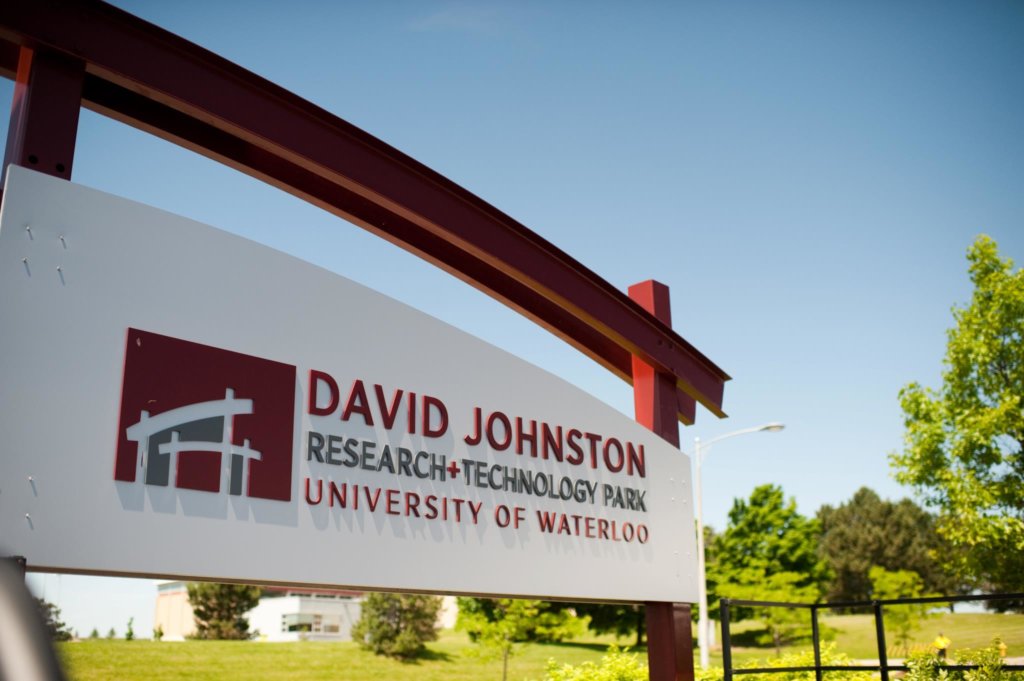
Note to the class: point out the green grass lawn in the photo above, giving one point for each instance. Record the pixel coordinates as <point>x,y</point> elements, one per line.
<point>452,657</point>
<point>854,635</point>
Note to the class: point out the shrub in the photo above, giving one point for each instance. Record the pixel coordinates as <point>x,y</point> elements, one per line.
<point>220,609</point>
<point>397,625</point>
<point>829,657</point>
<point>929,667</point>
<point>616,665</point>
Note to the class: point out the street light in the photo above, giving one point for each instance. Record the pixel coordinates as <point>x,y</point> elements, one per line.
<point>699,451</point>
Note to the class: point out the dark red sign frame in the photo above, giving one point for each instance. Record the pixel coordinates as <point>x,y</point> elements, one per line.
<point>65,54</point>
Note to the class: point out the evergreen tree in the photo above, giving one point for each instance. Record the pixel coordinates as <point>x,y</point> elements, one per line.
<point>220,609</point>
<point>397,625</point>
<point>50,615</point>
<point>867,531</point>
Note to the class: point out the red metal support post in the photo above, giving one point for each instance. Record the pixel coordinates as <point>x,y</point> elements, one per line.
<point>44,112</point>
<point>669,634</point>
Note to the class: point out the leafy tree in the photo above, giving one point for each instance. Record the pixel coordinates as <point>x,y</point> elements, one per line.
<point>129,634</point>
<point>868,531</point>
<point>506,621</point>
<point>111,634</point>
<point>158,633</point>
<point>783,625</point>
<point>766,536</point>
<point>889,585</point>
<point>94,633</point>
<point>621,619</point>
<point>964,443</point>
<point>50,614</point>
<point>397,625</point>
<point>220,609</point>
<point>550,623</point>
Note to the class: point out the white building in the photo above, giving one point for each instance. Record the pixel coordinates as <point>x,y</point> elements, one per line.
<point>283,614</point>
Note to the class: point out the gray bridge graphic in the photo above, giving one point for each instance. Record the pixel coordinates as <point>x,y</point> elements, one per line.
<point>200,427</point>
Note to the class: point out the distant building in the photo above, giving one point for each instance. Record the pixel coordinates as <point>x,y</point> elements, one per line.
<point>283,614</point>
<point>286,614</point>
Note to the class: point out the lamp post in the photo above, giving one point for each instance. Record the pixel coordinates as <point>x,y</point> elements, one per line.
<point>699,451</point>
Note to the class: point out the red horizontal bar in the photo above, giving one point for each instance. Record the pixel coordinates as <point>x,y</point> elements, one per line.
<point>270,133</point>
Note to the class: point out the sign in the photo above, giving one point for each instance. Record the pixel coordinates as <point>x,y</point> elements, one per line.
<point>179,402</point>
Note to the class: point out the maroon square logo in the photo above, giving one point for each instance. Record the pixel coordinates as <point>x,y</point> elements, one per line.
<point>202,418</point>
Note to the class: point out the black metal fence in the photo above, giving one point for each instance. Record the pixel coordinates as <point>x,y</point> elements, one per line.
<point>883,665</point>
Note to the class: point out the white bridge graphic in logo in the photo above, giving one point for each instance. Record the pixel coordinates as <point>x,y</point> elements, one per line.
<point>201,427</point>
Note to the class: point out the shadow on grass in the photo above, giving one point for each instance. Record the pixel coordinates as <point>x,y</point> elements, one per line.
<point>429,655</point>
<point>598,647</point>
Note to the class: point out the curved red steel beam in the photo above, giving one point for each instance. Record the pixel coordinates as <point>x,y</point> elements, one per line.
<point>154,80</point>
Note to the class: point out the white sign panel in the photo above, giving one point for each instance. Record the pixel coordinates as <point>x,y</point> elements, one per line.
<point>177,401</point>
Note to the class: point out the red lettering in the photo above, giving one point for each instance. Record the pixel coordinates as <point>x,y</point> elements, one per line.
<point>374,500</point>
<point>574,444</point>
<point>552,442</point>
<point>635,460</point>
<point>315,379</point>
<point>602,528</point>
<point>546,520</point>
<point>475,438</point>
<point>357,404</point>
<point>391,501</point>
<point>431,504</point>
<point>319,492</point>
<point>499,445</point>
<point>388,414</point>
<point>412,504</point>
<point>530,436</point>
<point>339,493</point>
<point>442,411</point>
<point>617,465</point>
<point>594,440</point>
<point>502,516</point>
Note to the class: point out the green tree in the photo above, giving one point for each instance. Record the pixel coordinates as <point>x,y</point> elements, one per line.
<point>964,443</point>
<point>867,531</point>
<point>397,625</point>
<point>782,625</point>
<point>129,633</point>
<point>111,634</point>
<point>220,609</point>
<point>158,633</point>
<point>506,622</point>
<point>766,536</point>
<point>94,633</point>
<point>50,615</point>
<point>893,584</point>
<point>621,619</point>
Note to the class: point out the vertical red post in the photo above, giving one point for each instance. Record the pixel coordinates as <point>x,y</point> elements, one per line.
<point>669,636</point>
<point>44,112</point>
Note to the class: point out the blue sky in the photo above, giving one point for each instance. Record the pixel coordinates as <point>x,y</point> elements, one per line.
<point>806,177</point>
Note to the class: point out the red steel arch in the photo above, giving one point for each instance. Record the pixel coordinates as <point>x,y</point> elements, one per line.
<point>65,54</point>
